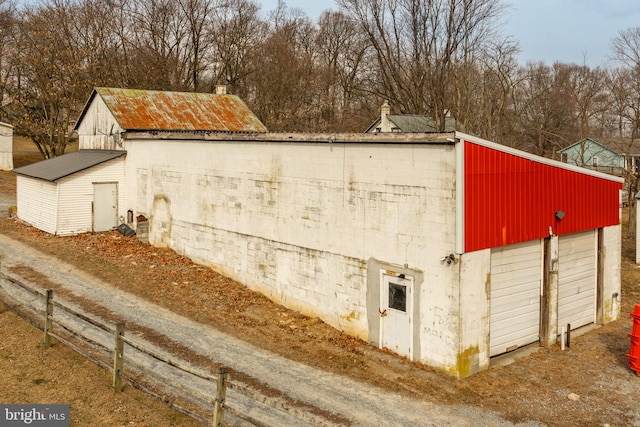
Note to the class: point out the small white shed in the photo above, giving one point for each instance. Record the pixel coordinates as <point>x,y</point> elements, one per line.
<point>74,193</point>
<point>6,146</point>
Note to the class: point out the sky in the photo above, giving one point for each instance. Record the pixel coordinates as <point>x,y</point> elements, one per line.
<point>570,31</point>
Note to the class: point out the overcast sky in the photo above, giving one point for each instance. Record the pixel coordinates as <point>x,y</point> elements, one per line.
<point>574,31</point>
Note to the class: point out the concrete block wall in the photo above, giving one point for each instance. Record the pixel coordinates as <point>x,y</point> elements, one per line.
<point>298,221</point>
<point>611,274</point>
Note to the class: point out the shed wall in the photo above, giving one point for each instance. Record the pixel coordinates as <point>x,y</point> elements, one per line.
<point>76,196</point>
<point>298,222</point>
<point>37,202</point>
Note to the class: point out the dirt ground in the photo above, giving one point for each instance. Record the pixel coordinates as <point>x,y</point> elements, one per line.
<point>590,384</point>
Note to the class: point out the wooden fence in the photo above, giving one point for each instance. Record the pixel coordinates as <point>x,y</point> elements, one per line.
<point>119,358</point>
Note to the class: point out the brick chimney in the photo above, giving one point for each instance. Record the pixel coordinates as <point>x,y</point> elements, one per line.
<point>221,90</point>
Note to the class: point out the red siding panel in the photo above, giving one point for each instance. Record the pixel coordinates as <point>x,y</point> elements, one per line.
<point>510,199</point>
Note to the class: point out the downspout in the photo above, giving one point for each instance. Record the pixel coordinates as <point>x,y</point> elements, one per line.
<point>459,194</point>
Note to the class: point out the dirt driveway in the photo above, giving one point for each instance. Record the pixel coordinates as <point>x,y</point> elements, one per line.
<point>588,385</point>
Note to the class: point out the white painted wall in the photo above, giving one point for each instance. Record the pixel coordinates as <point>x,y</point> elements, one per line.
<point>474,316</point>
<point>37,202</point>
<point>6,147</point>
<point>612,279</point>
<point>303,223</point>
<point>298,221</point>
<point>65,207</point>
<point>75,198</point>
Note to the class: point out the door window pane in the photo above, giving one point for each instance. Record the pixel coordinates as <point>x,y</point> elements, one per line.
<point>397,297</point>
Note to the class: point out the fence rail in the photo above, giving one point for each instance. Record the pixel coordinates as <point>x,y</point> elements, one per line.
<point>119,359</point>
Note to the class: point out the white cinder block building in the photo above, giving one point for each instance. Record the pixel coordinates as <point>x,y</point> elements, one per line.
<point>444,248</point>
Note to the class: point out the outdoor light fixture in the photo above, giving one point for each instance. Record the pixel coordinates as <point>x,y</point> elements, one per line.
<point>449,259</point>
<point>559,215</point>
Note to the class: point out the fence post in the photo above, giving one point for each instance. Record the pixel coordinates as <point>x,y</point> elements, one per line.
<point>221,392</point>
<point>118,353</point>
<point>48,317</point>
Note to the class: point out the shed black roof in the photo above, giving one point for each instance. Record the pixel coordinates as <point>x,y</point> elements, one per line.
<point>68,164</point>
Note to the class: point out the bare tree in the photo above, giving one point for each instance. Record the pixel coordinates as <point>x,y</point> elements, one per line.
<point>158,33</point>
<point>485,102</point>
<point>198,16</point>
<point>285,88</point>
<point>342,56</point>
<point>588,97</point>
<point>236,39</point>
<point>50,74</point>
<point>545,120</point>
<point>7,36</point>
<point>420,46</point>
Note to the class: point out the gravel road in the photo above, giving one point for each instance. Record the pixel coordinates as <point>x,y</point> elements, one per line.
<point>348,402</point>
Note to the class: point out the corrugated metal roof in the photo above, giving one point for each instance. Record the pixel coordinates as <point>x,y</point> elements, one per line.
<point>144,110</point>
<point>68,164</point>
<point>414,123</point>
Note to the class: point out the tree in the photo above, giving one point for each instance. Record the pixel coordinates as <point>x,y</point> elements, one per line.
<point>235,44</point>
<point>342,56</point>
<point>7,48</point>
<point>422,47</point>
<point>286,88</point>
<point>158,32</point>
<point>197,15</point>
<point>50,73</point>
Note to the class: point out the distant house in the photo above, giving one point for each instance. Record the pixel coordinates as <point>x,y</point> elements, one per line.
<point>407,123</point>
<point>609,155</point>
<point>6,146</point>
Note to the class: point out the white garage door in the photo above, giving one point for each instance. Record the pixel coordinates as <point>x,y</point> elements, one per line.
<point>516,280</point>
<point>577,273</point>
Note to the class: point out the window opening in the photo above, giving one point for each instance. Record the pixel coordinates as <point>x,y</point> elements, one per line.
<point>398,297</point>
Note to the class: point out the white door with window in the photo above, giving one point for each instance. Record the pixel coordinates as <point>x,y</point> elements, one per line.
<point>396,314</point>
<point>105,206</point>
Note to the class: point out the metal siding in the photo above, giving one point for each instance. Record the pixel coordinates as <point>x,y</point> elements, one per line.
<point>516,277</point>
<point>37,202</point>
<point>510,199</point>
<point>136,109</point>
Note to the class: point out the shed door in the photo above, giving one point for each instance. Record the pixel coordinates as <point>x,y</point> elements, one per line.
<point>577,279</point>
<point>516,282</point>
<point>105,206</point>
<point>396,308</point>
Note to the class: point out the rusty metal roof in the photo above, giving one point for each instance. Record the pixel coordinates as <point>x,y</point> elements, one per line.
<point>147,110</point>
<point>68,164</point>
